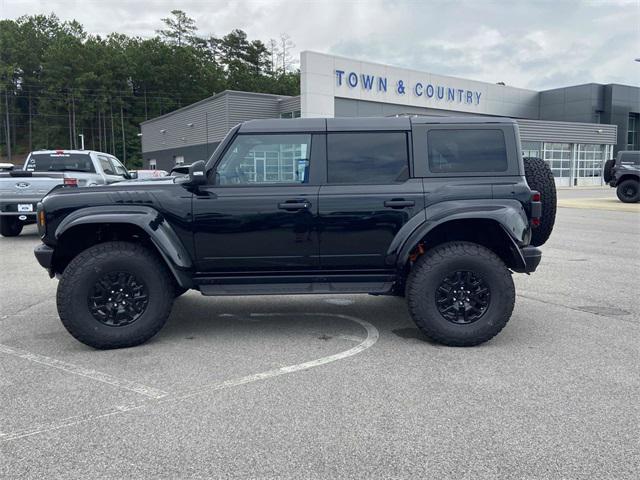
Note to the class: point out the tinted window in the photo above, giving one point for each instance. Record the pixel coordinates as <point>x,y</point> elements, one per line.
<point>630,157</point>
<point>457,151</point>
<point>59,162</point>
<point>379,157</point>
<point>264,159</point>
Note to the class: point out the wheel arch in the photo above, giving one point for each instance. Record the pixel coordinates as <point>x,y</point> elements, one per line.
<point>628,176</point>
<point>501,227</point>
<point>89,226</point>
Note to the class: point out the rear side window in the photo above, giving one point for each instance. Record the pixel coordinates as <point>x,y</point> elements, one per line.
<point>59,162</point>
<point>371,157</point>
<point>468,150</point>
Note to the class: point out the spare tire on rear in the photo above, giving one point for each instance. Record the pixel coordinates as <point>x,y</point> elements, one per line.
<point>607,174</point>
<point>540,178</point>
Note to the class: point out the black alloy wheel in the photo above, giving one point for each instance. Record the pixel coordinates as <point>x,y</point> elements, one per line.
<point>463,297</point>
<point>118,299</point>
<point>628,191</point>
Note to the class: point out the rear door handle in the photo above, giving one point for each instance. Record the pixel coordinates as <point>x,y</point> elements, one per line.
<point>399,203</point>
<point>293,205</point>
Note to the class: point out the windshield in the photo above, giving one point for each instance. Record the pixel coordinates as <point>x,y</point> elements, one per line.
<point>59,162</point>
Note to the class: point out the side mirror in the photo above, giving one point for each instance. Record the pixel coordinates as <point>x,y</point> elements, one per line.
<point>197,173</point>
<point>132,175</point>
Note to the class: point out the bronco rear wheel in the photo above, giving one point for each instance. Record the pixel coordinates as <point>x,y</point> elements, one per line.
<point>114,295</point>
<point>540,178</point>
<point>460,294</point>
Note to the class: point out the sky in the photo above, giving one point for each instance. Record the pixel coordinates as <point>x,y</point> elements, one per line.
<point>537,44</point>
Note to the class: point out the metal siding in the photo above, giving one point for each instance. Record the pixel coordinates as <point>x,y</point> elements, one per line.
<point>243,107</point>
<point>290,104</point>
<point>179,134</point>
<point>221,112</point>
<point>566,132</point>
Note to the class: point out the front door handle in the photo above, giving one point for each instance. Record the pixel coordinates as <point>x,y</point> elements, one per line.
<point>293,205</point>
<point>399,203</point>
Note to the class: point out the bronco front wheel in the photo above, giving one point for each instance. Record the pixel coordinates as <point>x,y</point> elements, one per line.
<point>115,295</point>
<point>460,294</point>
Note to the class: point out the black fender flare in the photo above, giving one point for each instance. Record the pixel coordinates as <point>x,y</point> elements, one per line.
<point>509,214</point>
<point>148,219</point>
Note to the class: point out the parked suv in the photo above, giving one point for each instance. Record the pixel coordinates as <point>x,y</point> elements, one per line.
<point>623,173</point>
<point>21,190</point>
<point>434,209</point>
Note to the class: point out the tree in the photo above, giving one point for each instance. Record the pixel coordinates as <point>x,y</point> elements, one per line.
<point>58,81</point>
<point>286,45</point>
<point>180,28</point>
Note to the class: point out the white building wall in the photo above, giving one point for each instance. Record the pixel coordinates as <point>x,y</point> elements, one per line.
<point>321,82</point>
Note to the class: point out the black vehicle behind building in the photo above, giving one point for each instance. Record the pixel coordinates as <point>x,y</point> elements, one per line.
<point>437,209</point>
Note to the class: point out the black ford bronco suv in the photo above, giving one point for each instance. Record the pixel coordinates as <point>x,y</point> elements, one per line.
<point>440,210</point>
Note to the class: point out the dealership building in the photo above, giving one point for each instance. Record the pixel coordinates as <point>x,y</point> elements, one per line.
<point>575,129</point>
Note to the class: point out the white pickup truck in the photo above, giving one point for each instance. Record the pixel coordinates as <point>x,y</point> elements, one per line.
<point>22,189</point>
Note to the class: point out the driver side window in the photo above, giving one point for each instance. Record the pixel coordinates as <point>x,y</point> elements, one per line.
<point>266,159</point>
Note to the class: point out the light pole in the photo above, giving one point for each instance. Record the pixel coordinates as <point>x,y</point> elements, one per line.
<point>81,141</point>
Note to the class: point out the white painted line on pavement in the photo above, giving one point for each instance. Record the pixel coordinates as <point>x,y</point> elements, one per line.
<point>84,372</point>
<point>368,342</point>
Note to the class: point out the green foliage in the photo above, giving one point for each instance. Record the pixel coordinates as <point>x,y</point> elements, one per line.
<point>58,81</point>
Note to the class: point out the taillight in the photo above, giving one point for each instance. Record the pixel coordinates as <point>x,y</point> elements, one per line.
<point>536,208</point>
<point>73,182</point>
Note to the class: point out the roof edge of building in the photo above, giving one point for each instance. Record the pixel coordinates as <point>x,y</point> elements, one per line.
<point>212,97</point>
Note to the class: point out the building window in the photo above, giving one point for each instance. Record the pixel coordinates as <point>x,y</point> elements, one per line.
<point>589,161</point>
<point>294,114</point>
<point>632,132</point>
<point>152,164</point>
<point>179,160</point>
<point>558,156</point>
<point>532,149</point>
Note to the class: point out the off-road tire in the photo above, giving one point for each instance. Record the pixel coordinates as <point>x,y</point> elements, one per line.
<point>607,172</point>
<point>426,277</point>
<point>540,178</point>
<point>87,268</point>
<point>10,226</point>
<point>628,191</point>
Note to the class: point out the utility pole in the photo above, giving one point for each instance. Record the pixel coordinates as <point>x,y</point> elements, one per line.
<point>6,105</point>
<point>124,150</point>
<point>206,122</point>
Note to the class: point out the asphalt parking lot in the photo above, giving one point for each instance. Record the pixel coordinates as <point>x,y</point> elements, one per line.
<point>339,386</point>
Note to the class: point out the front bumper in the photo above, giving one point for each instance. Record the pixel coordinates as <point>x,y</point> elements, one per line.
<point>532,257</point>
<point>44,255</point>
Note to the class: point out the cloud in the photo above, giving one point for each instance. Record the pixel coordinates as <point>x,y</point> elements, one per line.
<point>532,44</point>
